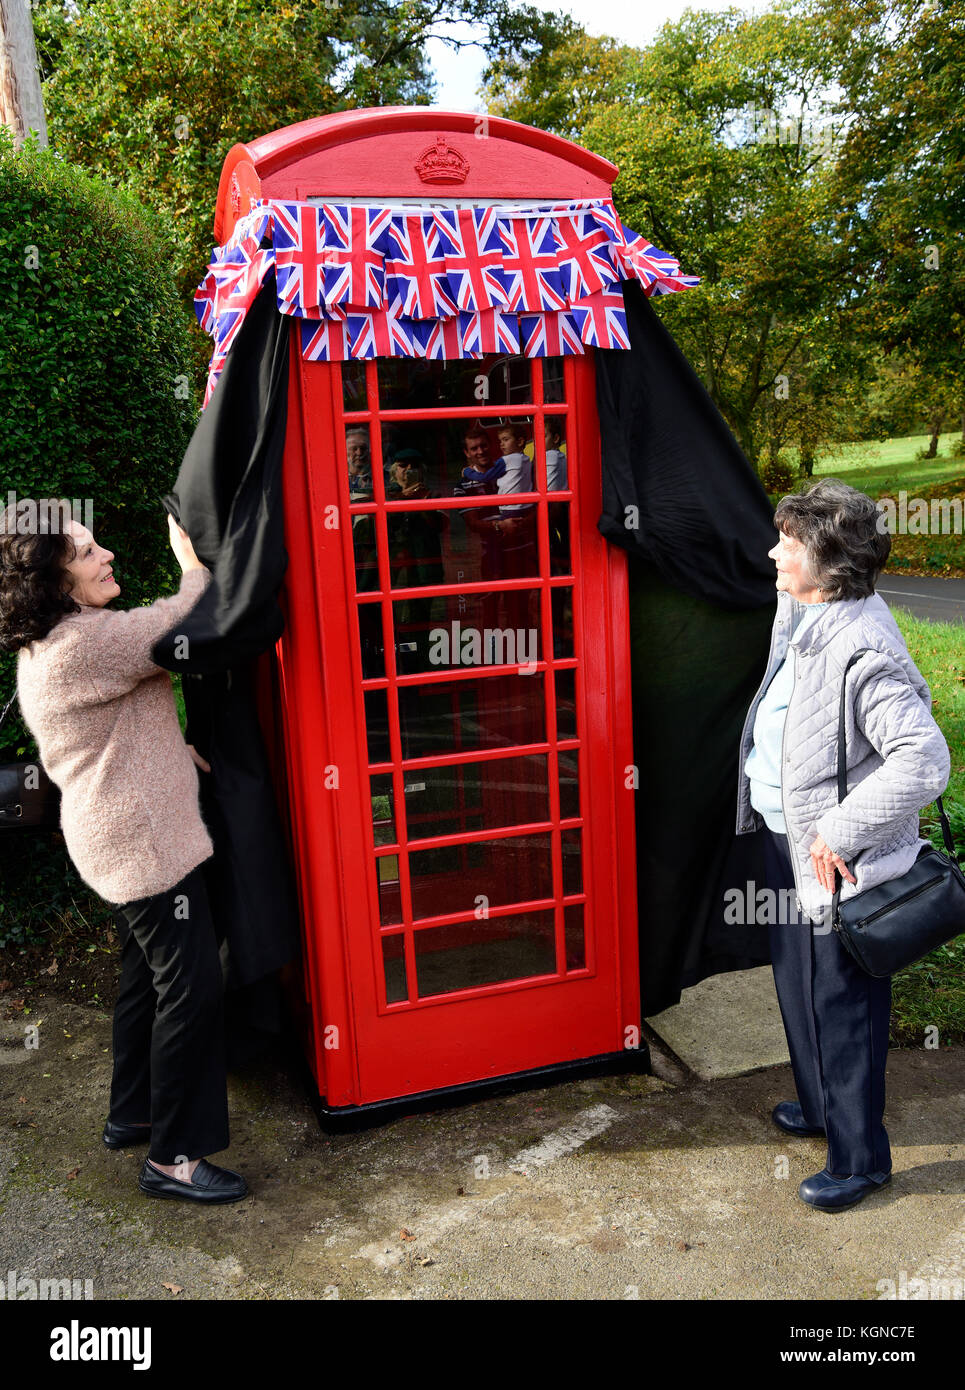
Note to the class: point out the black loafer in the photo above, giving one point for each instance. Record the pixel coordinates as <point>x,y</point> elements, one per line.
<point>208,1184</point>
<point>790,1117</point>
<point>829,1193</point>
<point>122,1136</point>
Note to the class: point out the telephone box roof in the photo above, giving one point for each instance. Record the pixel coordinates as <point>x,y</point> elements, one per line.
<point>407,151</point>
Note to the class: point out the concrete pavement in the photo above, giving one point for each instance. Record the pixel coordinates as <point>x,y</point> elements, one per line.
<point>660,1187</point>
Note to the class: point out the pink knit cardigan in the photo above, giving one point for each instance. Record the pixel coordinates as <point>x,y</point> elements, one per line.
<point>106,725</point>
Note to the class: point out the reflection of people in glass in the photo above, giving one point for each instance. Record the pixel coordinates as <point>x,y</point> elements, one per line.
<point>415,551</point>
<point>359,463</point>
<point>559,528</point>
<point>555,454</point>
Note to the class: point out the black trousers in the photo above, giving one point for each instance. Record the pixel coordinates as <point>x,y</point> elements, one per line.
<point>169,1049</point>
<point>836,1019</point>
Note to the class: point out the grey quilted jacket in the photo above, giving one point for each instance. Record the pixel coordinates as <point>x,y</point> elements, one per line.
<point>896,755</point>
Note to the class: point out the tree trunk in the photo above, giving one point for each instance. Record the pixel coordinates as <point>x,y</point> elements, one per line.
<point>21,100</point>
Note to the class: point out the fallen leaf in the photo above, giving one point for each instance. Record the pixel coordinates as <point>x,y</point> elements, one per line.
<point>52,968</point>
<point>173,1288</point>
<point>405,1234</point>
<point>73,1172</point>
<point>424,1260</point>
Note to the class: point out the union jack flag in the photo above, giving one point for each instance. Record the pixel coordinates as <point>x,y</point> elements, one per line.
<point>300,256</point>
<point>204,302</point>
<point>416,279</point>
<point>549,335</point>
<point>658,272</point>
<point>489,330</point>
<point>356,243</point>
<point>583,252</point>
<point>382,333</point>
<point>441,340</point>
<point>530,265</point>
<point>473,253</point>
<point>325,341</point>
<point>602,319</point>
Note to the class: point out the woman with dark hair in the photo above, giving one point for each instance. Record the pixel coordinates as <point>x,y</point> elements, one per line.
<point>106,726</point>
<point>832,546</point>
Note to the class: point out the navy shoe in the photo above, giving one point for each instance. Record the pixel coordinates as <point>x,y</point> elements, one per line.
<point>122,1136</point>
<point>208,1184</point>
<point>790,1117</point>
<point>829,1193</point>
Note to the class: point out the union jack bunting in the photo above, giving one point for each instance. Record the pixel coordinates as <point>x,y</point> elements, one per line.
<point>356,244</point>
<point>490,330</point>
<point>473,253</point>
<point>416,278</point>
<point>441,340</point>
<point>549,335</point>
<point>382,333</point>
<point>530,265</point>
<point>324,341</point>
<point>602,319</point>
<point>538,279</point>
<point>583,253</point>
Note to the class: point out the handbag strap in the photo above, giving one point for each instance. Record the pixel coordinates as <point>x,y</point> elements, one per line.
<point>843,781</point>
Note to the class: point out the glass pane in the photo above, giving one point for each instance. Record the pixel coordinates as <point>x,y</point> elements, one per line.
<point>353,386</point>
<point>554,432</point>
<point>377,725</point>
<point>458,716</point>
<point>461,458</point>
<point>476,796</point>
<point>366,554</point>
<point>411,383</point>
<point>371,640</point>
<point>359,452</point>
<point>559,528</point>
<point>463,630</point>
<point>561,601</point>
<point>572,861</point>
<point>390,899</point>
<point>393,962</point>
<point>569,783</point>
<point>566,703</point>
<point>470,545</point>
<point>468,954</point>
<point>476,877</point>
<point>383,814</point>
<point>553,389</point>
<point>573,936</point>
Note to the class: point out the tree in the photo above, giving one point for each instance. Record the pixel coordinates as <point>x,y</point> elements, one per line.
<point>151,94</point>
<point>724,162</point>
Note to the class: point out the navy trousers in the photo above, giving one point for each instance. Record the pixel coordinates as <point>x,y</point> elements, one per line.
<point>836,1019</point>
<point>169,1046</point>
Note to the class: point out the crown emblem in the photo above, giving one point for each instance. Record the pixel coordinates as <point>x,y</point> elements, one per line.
<point>442,164</point>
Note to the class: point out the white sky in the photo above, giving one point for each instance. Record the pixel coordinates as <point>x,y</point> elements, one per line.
<point>631,21</point>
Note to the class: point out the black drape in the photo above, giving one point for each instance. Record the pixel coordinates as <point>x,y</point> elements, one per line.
<point>228,498</point>
<point>700,515</point>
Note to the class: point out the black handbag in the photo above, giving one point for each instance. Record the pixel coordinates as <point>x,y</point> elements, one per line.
<point>895,923</point>
<point>28,798</point>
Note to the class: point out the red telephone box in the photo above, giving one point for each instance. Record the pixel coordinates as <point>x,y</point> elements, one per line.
<point>449,704</point>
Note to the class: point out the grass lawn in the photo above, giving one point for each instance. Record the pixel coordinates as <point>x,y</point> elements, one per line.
<point>932,993</point>
<point>885,470</point>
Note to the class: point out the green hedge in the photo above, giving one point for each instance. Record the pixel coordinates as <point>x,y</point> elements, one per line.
<point>95,362</point>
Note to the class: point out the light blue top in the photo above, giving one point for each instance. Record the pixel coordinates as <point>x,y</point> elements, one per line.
<point>763,765</point>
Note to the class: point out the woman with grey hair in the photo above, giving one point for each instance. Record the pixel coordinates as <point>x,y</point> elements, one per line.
<point>832,546</point>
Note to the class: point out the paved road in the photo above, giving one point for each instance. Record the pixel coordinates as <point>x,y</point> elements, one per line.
<point>938,600</point>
